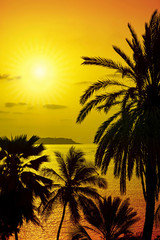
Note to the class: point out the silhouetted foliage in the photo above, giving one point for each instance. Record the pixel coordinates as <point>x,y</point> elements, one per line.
<point>72,186</point>
<point>112,218</point>
<point>20,182</point>
<point>80,233</point>
<point>131,135</point>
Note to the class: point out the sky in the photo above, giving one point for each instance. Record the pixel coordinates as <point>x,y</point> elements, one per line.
<point>41,45</point>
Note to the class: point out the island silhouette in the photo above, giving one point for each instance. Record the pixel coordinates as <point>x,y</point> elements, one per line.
<point>50,140</point>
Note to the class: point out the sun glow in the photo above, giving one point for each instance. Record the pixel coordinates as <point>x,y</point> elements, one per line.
<point>41,72</point>
<point>39,69</point>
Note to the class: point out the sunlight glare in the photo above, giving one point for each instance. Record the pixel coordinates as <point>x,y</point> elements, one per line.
<point>39,72</point>
<point>42,73</point>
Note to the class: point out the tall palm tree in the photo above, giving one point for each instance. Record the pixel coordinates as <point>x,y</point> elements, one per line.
<point>20,182</point>
<point>113,218</point>
<point>131,136</point>
<point>73,186</point>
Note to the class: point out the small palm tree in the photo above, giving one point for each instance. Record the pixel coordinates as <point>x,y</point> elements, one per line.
<point>20,182</point>
<point>131,136</point>
<point>73,186</point>
<point>112,219</point>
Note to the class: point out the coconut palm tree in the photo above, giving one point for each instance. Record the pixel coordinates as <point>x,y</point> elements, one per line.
<point>113,218</point>
<point>131,135</point>
<point>73,186</point>
<point>20,182</point>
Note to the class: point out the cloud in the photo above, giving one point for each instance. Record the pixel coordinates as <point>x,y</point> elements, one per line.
<point>11,104</point>
<point>18,113</point>
<point>1,112</point>
<point>6,119</point>
<point>54,106</point>
<point>83,83</point>
<point>30,107</point>
<point>13,78</point>
<point>22,104</point>
<point>9,78</point>
<point>4,77</point>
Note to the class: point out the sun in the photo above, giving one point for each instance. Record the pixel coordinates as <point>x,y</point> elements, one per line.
<point>41,71</point>
<point>38,76</point>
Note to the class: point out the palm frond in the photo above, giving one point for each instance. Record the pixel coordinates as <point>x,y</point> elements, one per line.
<point>125,71</point>
<point>135,41</point>
<point>106,107</point>
<point>31,150</point>
<point>84,172</point>
<point>38,185</point>
<point>95,180</point>
<point>125,57</point>
<point>73,160</point>
<point>33,140</point>
<point>91,212</point>
<point>105,139</point>
<point>48,208</point>
<point>80,233</point>
<point>74,209</point>
<point>88,107</point>
<point>100,85</point>
<point>123,174</point>
<point>153,18</point>
<point>87,191</point>
<point>130,94</point>
<point>104,162</point>
<point>104,127</point>
<point>111,100</point>
<point>130,44</point>
<point>102,62</point>
<point>2,154</point>
<point>62,165</point>
<point>52,173</point>
<point>35,164</point>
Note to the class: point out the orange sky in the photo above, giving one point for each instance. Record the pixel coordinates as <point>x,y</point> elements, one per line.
<point>54,35</point>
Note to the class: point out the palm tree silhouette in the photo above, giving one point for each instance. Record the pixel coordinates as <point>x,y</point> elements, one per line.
<point>20,182</point>
<point>131,135</point>
<point>112,218</point>
<point>73,186</point>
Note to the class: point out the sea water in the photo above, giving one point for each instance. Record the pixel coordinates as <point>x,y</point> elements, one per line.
<point>49,228</point>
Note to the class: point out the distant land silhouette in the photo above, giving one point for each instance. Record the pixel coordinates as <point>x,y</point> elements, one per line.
<point>49,140</point>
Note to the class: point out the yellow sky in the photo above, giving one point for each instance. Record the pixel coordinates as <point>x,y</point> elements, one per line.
<point>41,45</point>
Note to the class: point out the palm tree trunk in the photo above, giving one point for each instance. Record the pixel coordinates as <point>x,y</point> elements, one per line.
<point>150,202</point>
<point>16,234</point>
<point>60,225</point>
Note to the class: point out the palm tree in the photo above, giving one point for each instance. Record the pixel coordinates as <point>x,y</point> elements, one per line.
<point>131,136</point>
<point>112,218</point>
<point>73,186</point>
<point>20,182</point>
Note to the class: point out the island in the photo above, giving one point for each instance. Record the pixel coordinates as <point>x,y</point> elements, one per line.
<point>50,140</point>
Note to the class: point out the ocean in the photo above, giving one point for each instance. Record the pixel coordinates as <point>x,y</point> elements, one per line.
<point>49,228</point>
